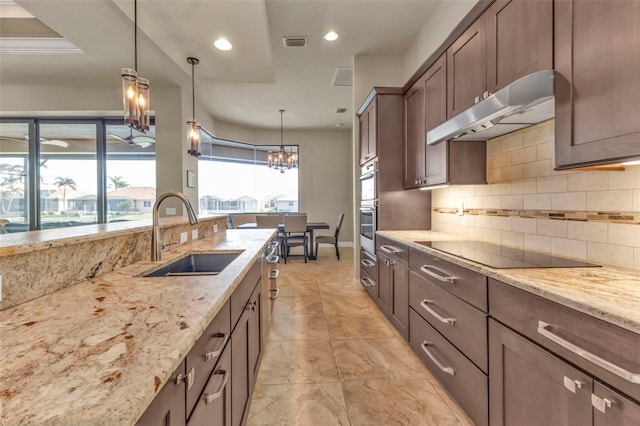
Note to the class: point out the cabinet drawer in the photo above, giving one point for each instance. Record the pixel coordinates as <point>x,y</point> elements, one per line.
<point>205,353</point>
<point>605,351</point>
<point>368,263</point>
<point>391,248</point>
<point>463,380</point>
<point>369,284</point>
<point>462,324</point>
<point>243,292</point>
<point>468,285</point>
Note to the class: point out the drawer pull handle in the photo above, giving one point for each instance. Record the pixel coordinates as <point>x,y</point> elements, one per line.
<point>367,282</point>
<point>429,270</point>
<point>208,356</point>
<point>600,404</point>
<point>425,305</point>
<point>186,379</point>
<point>273,275</point>
<point>447,370</point>
<point>390,249</point>
<point>367,263</point>
<point>210,397</point>
<point>543,328</point>
<point>572,384</point>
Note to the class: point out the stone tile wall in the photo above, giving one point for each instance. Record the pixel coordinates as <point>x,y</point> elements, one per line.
<point>590,215</point>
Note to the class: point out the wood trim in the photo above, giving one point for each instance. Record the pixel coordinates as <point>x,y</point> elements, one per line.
<point>378,91</point>
<point>475,12</point>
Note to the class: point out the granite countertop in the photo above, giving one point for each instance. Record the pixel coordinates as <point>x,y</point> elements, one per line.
<point>608,293</point>
<point>98,352</point>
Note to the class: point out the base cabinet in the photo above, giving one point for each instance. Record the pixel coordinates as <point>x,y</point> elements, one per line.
<point>169,406</point>
<point>393,283</point>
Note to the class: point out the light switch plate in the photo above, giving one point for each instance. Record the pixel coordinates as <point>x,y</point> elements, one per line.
<point>183,237</point>
<point>215,227</point>
<point>461,208</point>
<point>194,234</point>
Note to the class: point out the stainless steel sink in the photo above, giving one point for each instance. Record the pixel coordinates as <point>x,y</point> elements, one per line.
<point>195,264</point>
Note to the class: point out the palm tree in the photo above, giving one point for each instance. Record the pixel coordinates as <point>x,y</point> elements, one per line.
<point>11,185</point>
<point>118,182</point>
<point>63,183</point>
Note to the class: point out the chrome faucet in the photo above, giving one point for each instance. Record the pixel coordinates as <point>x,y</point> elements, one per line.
<point>156,245</point>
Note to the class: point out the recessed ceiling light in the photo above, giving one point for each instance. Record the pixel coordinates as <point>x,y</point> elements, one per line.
<point>222,44</point>
<point>331,36</point>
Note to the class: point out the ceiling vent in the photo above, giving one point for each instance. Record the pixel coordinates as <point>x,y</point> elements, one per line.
<point>300,41</point>
<point>341,110</point>
<point>343,77</point>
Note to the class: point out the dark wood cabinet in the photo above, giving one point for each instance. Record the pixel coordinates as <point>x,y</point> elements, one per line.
<point>245,350</point>
<point>435,113</point>
<point>168,407</point>
<point>519,40</point>
<point>393,284</point>
<point>613,409</point>
<point>369,273</point>
<point>597,82</point>
<point>529,386</point>
<point>466,68</point>
<point>414,143</point>
<point>368,133</point>
<point>213,408</point>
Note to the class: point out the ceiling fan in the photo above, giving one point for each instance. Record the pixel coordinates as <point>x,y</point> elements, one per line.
<point>142,141</point>
<point>43,141</point>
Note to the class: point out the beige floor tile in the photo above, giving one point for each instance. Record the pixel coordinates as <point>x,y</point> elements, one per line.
<point>365,359</point>
<point>298,404</point>
<point>290,284</point>
<point>302,361</point>
<point>355,303</point>
<point>396,402</point>
<point>360,325</point>
<point>284,305</point>
<point>298,327</point>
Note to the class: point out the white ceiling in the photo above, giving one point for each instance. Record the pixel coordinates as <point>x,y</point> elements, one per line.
<point>247,85</point>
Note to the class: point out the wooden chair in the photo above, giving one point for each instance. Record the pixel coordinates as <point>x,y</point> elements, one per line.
<point>267,221</point>
<point>326,239</point>
<point>295,234</point>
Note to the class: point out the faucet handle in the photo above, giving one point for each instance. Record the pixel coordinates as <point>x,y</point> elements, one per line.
<point>163,245</point>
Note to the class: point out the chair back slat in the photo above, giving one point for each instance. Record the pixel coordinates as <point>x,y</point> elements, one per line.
<point>339,225</point>
<point>296,223</point>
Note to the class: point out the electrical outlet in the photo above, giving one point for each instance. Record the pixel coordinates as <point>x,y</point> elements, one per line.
<point>183,237</point>
<point>170,211</point>
<point>461,209</point>
<point>194,234</point>
<point>215,227</point>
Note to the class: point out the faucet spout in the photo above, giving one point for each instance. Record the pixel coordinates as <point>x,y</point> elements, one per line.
<point>156,245</point>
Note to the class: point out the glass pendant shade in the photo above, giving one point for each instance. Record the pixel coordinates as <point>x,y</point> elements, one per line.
<point>144,119</point>
<point>193,133</point>
<point>129,96</point>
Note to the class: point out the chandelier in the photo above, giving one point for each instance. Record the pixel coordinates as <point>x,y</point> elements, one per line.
<point>193,128</point>
<point>282,160</point>
<point>135,90</point>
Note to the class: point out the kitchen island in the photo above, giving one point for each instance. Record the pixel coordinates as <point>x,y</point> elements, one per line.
<point>98,352</point>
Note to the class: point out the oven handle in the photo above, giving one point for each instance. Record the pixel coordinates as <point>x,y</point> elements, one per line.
<point>367,209</point>
<point>368,175</point>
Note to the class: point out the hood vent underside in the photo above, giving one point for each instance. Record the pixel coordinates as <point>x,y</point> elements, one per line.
<point>527,101</point>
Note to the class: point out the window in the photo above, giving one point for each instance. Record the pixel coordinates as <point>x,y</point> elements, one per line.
<point>233,177</point>
<point>80,171</point>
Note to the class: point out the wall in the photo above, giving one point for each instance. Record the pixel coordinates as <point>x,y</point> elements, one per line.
<point>592,215</point>
<point>325,175</point>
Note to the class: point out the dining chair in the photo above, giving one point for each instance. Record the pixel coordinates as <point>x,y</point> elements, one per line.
<point>267,221</point>
<point>295,234</point>
<point>327,239</point>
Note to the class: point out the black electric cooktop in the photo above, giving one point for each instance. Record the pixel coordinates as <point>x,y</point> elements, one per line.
<point>497,256</point>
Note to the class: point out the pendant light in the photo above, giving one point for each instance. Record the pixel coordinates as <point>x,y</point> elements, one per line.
<point>193,130</point>
<point>282,160</point>
<point>135,90</point>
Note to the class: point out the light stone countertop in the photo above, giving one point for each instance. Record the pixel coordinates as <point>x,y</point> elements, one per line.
<point>97,353</point>
<point>608,293</point>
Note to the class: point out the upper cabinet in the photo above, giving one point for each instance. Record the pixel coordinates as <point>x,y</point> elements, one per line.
<point>435,112</point>
<point>519,40</point>
<point>467,69</point>
<point>368,133</point>
<point>597,83</point>
<point>413,136</point>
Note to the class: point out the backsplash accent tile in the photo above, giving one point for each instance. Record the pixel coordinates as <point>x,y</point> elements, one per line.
<point>589,215</point>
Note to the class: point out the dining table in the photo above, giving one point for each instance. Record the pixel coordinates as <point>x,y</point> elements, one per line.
<point>311,226</point>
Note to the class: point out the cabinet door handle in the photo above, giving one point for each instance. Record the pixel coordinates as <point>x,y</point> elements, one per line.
<point>210,397</point>
<point>543,328</point>
<point>367,263</point>
<point>572,384</point>
<point>367,282</point>
<point>187,379</point>
<point>600,404</point>
<point>425,305</point>
<point>390,249</point>
<point>448,370</point>
<point>273,275</point>
<point>208,356</point>
<point>429,270</point>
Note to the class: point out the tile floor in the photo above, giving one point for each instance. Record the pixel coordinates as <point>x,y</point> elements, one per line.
<point>332,358</point>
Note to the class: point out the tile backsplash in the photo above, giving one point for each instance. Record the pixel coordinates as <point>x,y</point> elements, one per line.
<point>589,215</point>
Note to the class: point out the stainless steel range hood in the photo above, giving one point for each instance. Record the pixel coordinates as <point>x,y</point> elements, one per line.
<point>526,101</point>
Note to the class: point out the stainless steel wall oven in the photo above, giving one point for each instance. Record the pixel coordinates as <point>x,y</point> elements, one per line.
<point>368,206</point>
